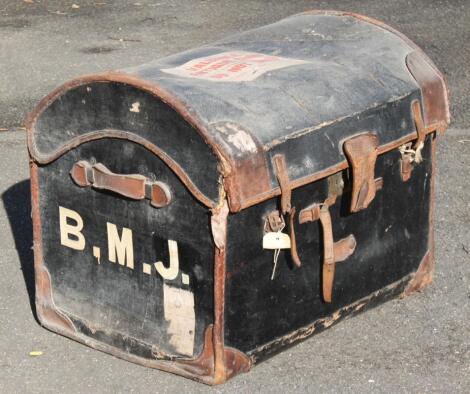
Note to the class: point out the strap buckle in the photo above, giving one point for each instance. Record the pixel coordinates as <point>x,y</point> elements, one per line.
<point>361,152</point>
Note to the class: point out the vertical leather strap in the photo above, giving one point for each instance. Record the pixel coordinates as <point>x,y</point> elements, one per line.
<point>419,122</point>
<point>328,253</point>
<point>284,184</point>
<point>293,244</point>
<point>333,252</point>
<point>411,153</point>
<point>420,130</point>
<point>286,208</point>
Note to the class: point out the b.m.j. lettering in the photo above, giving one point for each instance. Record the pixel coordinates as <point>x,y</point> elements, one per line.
<point>120,245</point>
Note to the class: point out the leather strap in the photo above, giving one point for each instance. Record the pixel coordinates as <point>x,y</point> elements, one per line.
<point>293,244</point>
<point>411,153</point>
<point>286,207</point>
<point>284,184</point>
<point>419,123</point>
<point>361,152</point>
<point>333,252</point>
<point>328,253</point>
<point>134,186</point>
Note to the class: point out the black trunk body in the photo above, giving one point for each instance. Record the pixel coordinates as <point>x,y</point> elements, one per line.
<point>392,239</point>
<point>109,296</point>
<point>159,193</point>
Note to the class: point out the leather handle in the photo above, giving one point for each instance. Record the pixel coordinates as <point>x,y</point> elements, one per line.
<point>131,186</point>
<point>134,186</point>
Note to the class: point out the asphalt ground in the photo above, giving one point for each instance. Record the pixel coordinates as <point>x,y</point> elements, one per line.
<point>416,345</point>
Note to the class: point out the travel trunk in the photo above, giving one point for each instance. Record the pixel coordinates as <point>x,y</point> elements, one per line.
<point>201,212</point>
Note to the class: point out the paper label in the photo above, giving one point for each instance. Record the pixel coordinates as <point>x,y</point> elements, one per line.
<point>276,240</point>
<point>180,315</point>
<point>234,66</point>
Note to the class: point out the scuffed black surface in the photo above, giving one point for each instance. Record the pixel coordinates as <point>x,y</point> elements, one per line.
<point>419,344</point>
<point>110,297</point>
<point>351,66</point>
<point>99,106</point>
<point>391,235</point>
<point>355,72</point>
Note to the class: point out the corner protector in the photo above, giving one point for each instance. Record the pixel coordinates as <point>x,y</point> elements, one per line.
<point>423,276</point>
<point>434,90</point>
<point>235,362</point>
<point>48,314</point>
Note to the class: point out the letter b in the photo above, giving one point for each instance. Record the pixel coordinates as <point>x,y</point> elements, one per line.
<point>66,229</point>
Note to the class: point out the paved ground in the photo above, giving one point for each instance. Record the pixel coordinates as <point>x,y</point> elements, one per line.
<point>421,344</point>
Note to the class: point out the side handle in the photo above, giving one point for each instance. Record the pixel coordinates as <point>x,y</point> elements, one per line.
<point>134,186</point>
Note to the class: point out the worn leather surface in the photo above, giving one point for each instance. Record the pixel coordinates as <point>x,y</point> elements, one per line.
<point>355,70</point>
<point>353,79</point>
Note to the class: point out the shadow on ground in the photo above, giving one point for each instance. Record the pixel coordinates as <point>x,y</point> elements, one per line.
<point>17,203</point>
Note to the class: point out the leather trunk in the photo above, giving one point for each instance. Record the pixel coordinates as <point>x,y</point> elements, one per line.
<point>201,212</point>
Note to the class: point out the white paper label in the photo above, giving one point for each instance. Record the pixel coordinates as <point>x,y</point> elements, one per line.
<point>179,312</point>
<point>276,241</point>
<point>234,66</point>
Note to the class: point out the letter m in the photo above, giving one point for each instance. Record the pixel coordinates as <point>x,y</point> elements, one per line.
<point>120,247</point>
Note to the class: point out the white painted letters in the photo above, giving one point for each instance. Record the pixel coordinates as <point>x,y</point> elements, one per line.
<point>78,240</point>
<point>172,271</point>
<point>120,246</point>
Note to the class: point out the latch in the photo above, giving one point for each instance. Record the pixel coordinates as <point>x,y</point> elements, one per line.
<point>286,209</point>
<point>273,238</point>
<point>408,157</point>
<point>274,222</point>
<point>411,153</point>
<point>333,252</point>
<point>361,152</point>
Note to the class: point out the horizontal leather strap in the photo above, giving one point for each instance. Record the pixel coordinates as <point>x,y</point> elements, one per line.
<point>134,186</point>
